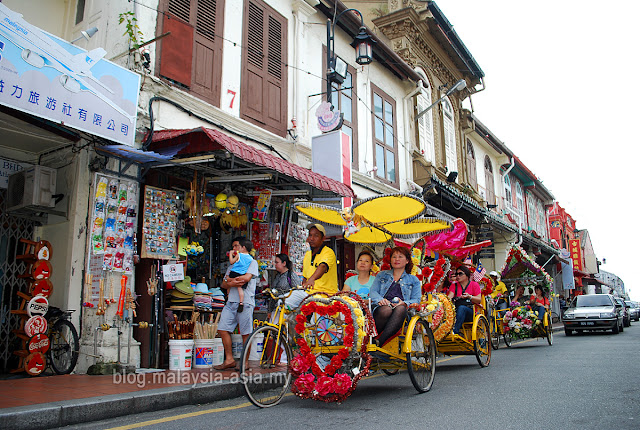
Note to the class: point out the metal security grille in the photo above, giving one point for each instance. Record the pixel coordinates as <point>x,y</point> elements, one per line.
<point>12,229</point>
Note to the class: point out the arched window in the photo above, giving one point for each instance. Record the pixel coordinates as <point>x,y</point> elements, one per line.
<point>519,200</point>
<point>449,136</point>
<point>507,191</point>
<point>471,165</point>
<point>488,181</point>
<point>424,127</point>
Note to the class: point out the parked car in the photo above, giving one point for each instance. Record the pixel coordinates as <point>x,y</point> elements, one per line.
<point>593,312</point>
<point>626,320</point>
<point>634,310</point>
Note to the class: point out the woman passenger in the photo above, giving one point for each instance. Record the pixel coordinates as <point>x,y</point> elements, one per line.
<point>361,284</point>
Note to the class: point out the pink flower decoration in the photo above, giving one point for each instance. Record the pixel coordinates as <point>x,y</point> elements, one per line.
<point>325,385</point>
<point>305,383</point>
<point>299,365</point>
<point>341,383</point>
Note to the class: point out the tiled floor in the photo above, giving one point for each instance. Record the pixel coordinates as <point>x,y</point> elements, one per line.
<point>47,389</point>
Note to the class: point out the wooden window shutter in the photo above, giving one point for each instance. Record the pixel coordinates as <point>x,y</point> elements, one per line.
<point>176,50</point>
<point>264,80</point>
<point>471,165</point>
<point>207,51</point>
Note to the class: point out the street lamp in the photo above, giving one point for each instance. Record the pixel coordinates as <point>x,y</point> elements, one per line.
<point>336,67</point>
<point>460,85</point>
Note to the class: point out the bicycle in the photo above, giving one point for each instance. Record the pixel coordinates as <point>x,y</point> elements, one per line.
<point>271,381</point>
<point>63,340</point>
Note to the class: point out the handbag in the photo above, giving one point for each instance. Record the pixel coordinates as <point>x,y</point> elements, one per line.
<point>459,301</point>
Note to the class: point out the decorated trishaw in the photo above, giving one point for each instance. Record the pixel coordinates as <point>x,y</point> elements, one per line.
<point>327,341</point>
<point>520,320</point>
<point>449,251</point>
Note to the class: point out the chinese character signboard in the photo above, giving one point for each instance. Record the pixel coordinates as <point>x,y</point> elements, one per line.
<point>48,77</point>
<point>576,253</point>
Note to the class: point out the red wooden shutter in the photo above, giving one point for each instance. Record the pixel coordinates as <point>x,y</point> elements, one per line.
<point>207,51</point>
<point>264,80</point>
<point>176,49</point>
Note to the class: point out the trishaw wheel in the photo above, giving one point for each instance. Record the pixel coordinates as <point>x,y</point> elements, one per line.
<point>495,334</point>
<point>391,372</point>
<point>481,344</point>
<point>508,339</point>
<point>549,328</point>
<point>421,361</point>
<point>267,379</point>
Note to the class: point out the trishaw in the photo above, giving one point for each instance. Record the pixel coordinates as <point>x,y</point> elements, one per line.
<point>474,337</point>
<point>324,347</point>
<point>519,321</point>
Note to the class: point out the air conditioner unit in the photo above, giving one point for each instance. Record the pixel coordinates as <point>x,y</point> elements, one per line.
<point>31,189</point>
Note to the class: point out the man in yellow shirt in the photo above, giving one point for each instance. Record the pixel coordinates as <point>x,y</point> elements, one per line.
<point>319,265</point>
<point>500,289</point>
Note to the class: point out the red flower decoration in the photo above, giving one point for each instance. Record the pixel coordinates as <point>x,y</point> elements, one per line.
<point>324,385</point>
<point>305,383</point>
<point>299,365</point>
<point>342,383</point>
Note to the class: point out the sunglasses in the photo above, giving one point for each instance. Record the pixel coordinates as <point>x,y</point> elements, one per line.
<point>459,273</point>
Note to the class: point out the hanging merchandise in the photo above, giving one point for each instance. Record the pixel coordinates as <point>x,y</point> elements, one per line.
<point>97,239</point>
<point>297,244</point>
<point>261,206</point>
<point>159,226</point>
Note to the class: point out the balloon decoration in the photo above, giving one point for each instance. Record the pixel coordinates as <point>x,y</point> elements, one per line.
<point>378,219</point>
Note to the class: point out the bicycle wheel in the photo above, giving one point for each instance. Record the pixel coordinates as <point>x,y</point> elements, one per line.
<point>481,344</point>
<point>508,338</point>
<point>421,361</point>
<point>549,331</point>
<point>63,351</point>
<point>495,333</point>
<point>266,379</point>
<point>391,372</point>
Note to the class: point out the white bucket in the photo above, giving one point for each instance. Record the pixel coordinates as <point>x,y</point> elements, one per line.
<point>256,347</point>
<point>180,354</point>
<point>236,345</point>
<point>217,357</point>
<point>204,353</point>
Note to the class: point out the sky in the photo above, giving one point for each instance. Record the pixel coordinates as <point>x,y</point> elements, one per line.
<point>561,93</point>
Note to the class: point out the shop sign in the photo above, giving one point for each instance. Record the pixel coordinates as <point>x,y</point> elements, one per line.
<point>50,78</point>
<point>173,272</point>
<point>35,363</point>
<point>39,305</point>
<point>35,325</point>
<point>576,253</point>
<point>8,167</point>
<point>38,343</point>
<point>329,119</point>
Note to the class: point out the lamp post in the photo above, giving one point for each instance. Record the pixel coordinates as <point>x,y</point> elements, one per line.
<point>460,85</point>
<point>363,43</point>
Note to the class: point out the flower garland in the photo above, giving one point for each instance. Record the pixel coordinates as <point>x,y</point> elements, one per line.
<point>437,275</point>
<point>444,318</point>
<point>487,283</point>
<point>522,322</point>
<point>333,383</point>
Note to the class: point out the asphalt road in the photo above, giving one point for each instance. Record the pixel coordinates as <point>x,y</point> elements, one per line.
<point>589,381</point>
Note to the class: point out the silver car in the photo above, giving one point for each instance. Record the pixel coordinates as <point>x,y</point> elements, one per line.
<point>634,310</point>
<point>593,312</point>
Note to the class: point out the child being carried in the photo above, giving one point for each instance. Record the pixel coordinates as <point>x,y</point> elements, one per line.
<point>240,262</point>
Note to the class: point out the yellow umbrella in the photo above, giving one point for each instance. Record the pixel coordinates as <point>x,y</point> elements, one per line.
<point>322,213</point>
<point>369,235</point>
<point>420,226</point>
<point>389,208</point>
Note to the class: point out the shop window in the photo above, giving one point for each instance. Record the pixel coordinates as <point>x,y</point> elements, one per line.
<point>488,181</point>
<point>384,133</point>
<point>263,99</point>
<point>192,56</point>
<point>449,136</point>
<point>345,99</point>
<point>471,165</point>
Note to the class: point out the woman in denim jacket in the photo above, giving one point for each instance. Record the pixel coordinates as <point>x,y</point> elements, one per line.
<point>392,292</point>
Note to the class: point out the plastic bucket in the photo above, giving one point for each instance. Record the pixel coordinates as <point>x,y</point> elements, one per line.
<point>204,353</point>
<point>256,347</point>
<point>180,354</point>
<point>236,345</point>
<point>217,356</point>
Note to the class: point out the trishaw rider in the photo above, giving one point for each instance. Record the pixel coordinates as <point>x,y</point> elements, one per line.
<point>319,264</point>
<point>500,289</point>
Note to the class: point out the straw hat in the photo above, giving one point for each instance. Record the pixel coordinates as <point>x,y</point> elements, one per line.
<point>184,286</point>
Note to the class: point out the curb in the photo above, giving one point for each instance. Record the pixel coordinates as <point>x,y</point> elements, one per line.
<point>69,412</point>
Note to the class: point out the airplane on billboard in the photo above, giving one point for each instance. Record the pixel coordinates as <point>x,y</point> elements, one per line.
<point>39,50</point>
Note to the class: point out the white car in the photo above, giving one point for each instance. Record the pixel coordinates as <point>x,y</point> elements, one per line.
<point>593,312</point>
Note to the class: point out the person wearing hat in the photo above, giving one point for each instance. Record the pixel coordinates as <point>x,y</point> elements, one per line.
<point>319,265</point>
<point>499,291</point>
<point>231,316</point>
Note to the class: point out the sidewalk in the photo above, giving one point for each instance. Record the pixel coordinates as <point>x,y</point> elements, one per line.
<point>55,401</point>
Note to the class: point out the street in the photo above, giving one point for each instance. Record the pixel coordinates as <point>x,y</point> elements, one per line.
<point>588,381</point>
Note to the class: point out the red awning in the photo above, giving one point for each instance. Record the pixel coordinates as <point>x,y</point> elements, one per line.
<point>202,140</point>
